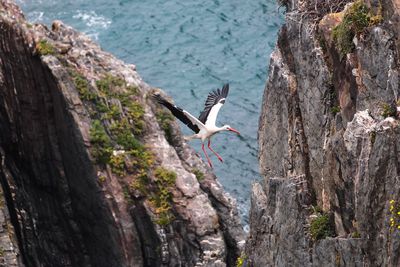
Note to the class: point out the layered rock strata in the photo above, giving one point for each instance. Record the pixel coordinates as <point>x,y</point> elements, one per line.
<point>93,172</point>
<point>329,139</point>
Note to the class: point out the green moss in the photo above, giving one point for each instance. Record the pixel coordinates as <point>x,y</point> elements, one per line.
<point>241,260</point>
<point>199,174</point>
<point>355,20</point>
<point>165,120</point>
<point>101,143</point>
<point>388,110</point>
<point>44,48</point>
<point>162,196</point>
<point>1,252</point>
<point>321,227</point>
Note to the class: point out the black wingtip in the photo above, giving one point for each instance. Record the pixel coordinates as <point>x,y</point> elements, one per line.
<point>159,99</point>
<point>225,90</point>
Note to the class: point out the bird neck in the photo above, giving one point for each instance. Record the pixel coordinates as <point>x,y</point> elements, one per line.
<point>220,129</point>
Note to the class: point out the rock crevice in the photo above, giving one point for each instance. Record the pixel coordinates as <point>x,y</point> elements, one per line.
<point>344,146</point>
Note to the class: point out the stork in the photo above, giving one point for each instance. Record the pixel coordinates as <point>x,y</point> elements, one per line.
<point>204,126</point>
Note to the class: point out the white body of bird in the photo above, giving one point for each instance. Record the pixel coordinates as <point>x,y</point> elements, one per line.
<point>204,126</point>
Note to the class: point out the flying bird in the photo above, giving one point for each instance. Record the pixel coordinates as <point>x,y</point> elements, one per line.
<point>204,126</point>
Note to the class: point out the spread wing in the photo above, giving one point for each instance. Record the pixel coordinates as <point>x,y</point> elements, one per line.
<point>215,100</point>
<point>188,119</point>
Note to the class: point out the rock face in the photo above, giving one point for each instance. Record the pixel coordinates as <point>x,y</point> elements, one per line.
<point>329,141</point>
<point>93,172</point>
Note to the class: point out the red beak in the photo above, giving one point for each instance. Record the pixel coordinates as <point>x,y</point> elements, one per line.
<point>233,130</point>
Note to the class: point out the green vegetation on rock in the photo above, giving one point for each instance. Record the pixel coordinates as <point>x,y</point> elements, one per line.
<point>121,130</point>
<point>241,260</point>
<point>82,85</point>
<point>199,175</point>
<point>355,20</point>
<point>101,143</point>
<point>117,163</point>
<point>355,234</point>
<point>112,112</point>
<point>162,196</point>
<point>388,110</point>
<point>117,107</point>
<point>165,120</point>
<point>335,110</point>
<point>321,227</point>
<point>135,112</point>
<point>45,48</point>
<point>106,84</point>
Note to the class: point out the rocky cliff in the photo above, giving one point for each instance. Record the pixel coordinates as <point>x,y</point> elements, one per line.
<point>93,172</point>
<point>329,139</point>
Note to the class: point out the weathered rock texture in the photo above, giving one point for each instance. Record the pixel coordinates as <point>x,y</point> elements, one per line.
<point>65,210</point>
<point>323,141</point>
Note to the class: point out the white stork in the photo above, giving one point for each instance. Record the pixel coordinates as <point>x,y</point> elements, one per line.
<point>204,127</point>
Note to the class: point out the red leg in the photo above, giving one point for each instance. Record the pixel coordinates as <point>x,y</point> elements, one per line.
<point>216,154</point>
<point>205,153</point>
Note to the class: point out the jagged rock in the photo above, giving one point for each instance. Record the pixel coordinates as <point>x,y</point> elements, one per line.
<point>65,209</point>
<point>323,134</point>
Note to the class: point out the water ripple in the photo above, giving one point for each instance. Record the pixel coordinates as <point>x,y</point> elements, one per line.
<point>188,48</point>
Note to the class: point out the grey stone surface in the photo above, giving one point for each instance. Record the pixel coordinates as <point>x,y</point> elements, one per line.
<point>344,161</point>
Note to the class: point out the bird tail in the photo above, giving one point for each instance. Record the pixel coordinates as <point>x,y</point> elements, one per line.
<point>189,137</point>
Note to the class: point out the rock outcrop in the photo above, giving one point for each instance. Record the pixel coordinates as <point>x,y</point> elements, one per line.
<point>329,139</point>
<point>94,173</point>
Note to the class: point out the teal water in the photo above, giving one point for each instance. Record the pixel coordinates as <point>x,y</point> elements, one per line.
<point>188,48</point>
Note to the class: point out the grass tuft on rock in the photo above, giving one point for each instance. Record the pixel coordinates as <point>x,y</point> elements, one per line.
<point>321,227</point>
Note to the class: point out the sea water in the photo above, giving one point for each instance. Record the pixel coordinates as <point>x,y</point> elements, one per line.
<point>188,48</point>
